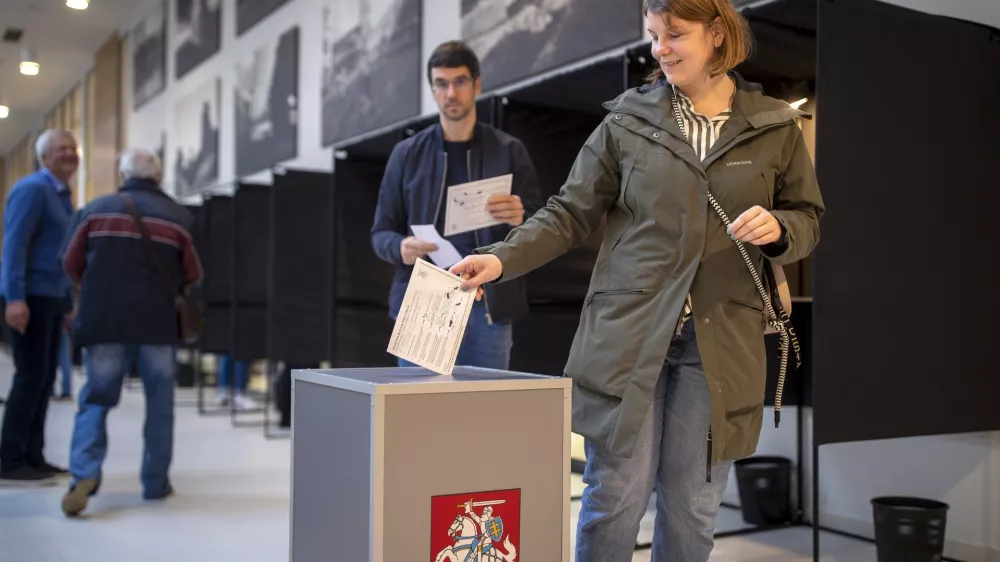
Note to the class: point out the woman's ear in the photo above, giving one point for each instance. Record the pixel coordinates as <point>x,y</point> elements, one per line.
<point>718,32</point>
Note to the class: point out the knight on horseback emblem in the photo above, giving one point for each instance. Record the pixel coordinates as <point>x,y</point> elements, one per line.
<point>477,536</point>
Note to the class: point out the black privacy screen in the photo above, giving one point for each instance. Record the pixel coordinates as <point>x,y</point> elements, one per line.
<point>251,265</point>
<point>302,267</point>
<point>217,260</point>
<point>906,280</point>
<point>363,280</point>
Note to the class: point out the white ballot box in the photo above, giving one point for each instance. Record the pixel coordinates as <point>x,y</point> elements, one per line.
<point>403,464</point>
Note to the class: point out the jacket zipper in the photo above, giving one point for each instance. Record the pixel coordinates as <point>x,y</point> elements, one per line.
<point>708,457</point>
<point>444,180</point>
<point>475,234</point>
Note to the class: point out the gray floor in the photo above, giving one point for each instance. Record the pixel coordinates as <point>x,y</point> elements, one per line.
<point>232,503</point>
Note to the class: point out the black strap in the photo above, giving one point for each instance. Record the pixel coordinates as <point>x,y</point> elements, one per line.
<point>150,250</point>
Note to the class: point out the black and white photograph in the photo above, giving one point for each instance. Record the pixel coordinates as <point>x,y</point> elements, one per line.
<point>371,66</point>
<point>267,106</point>
<point>518,39</point>
<point>149,56</point>
<point>196,139</point>
<point>198,34</point>
<point>251,12</point>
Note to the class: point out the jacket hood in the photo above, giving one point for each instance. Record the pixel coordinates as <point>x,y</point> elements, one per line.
<point>652,102</point>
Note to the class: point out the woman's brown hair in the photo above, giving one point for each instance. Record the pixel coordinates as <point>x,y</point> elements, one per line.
<point>737,43</point>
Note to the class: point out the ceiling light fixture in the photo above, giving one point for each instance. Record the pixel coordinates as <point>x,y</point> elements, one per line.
<point>29,64</point>
<point>78,4</point>
<point>4,111</point>
<point>800,103</point>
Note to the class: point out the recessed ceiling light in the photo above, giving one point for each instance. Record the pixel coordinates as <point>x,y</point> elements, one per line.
<point>78,4</point>
<point>4,111</point>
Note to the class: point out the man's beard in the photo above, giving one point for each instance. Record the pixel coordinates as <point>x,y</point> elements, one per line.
<point>463,113</point>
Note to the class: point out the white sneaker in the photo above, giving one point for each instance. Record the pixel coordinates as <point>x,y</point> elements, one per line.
<point>245,403</point>
<point>221,399</point>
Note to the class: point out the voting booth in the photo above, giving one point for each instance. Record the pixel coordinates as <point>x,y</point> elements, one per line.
<point>403,463</point>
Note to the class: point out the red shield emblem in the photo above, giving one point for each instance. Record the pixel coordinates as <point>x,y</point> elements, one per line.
<point>476,527</point>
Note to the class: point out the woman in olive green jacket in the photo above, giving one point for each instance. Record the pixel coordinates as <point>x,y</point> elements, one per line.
<point>668,361</point>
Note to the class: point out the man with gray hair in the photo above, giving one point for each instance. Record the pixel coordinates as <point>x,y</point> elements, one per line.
<point>132,255</point>
<point>37,303</point>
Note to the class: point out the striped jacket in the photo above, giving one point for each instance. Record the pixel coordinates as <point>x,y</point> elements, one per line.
<point>123,298</point>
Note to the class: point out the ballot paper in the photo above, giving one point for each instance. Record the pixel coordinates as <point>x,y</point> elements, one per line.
<point>432,319</point>
<point>446,255</point>
<point>466,208</point>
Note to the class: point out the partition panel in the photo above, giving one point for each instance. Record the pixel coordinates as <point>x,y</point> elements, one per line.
<point>253,226</point>
<point>362,277</point>
<point>218,244</point>
<point>904,265</point>
<point>300,327</point>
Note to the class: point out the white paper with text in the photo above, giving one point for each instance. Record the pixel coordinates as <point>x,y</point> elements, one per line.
<point>466,208</point>
<point>431,321</point>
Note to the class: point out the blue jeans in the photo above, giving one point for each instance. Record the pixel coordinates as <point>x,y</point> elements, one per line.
<point>670,457</point>
<point>106,367</point>
<point>484,345</point>
<point>226,367</point>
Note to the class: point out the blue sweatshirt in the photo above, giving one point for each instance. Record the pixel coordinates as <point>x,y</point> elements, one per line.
<point>36,218</point>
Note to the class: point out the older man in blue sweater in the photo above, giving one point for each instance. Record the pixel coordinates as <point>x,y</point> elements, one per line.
<point>38,302</point>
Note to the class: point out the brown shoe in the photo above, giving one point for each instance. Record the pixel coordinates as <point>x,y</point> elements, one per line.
<point>75,500</point>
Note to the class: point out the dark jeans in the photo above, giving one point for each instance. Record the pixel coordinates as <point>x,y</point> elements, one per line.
<point>36,357</point>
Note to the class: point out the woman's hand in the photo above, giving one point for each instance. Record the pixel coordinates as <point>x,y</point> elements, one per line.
<point>755,226</point>
<point>477,270</point>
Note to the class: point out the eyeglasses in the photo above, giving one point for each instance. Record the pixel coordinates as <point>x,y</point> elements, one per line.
<point>460,83</point>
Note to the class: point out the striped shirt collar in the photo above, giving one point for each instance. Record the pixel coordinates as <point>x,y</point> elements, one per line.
<point>700,131</point>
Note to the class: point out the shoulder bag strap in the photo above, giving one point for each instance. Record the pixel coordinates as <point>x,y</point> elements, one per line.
<point>150,250</point>
<point>779,322</point>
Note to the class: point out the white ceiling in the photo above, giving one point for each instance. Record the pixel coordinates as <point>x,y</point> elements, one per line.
<point>64,41</point>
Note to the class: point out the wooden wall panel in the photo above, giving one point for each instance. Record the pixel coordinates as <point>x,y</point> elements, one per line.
<point>103,130</point>
<point>22,158</point>
<point>3,191</point>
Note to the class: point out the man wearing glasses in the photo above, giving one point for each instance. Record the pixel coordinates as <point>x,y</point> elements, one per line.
<point>456,150</point>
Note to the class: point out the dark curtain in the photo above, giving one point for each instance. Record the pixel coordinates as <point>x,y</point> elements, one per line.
<point>907,160</point>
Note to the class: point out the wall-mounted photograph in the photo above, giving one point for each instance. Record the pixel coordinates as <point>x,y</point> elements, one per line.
<point>371,65</point>
<point>250,12</point>
<point>196,139</point>
<point>518,39</point>
<point>149,56</point>
<point>198,34</point>
<point>267,106</point>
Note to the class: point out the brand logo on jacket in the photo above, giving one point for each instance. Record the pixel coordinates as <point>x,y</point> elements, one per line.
<point>740,163</point>
<point>478,527</point>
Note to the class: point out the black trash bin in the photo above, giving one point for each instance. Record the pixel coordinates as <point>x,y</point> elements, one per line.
<point>909,529</point>
<point>765,485</point>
